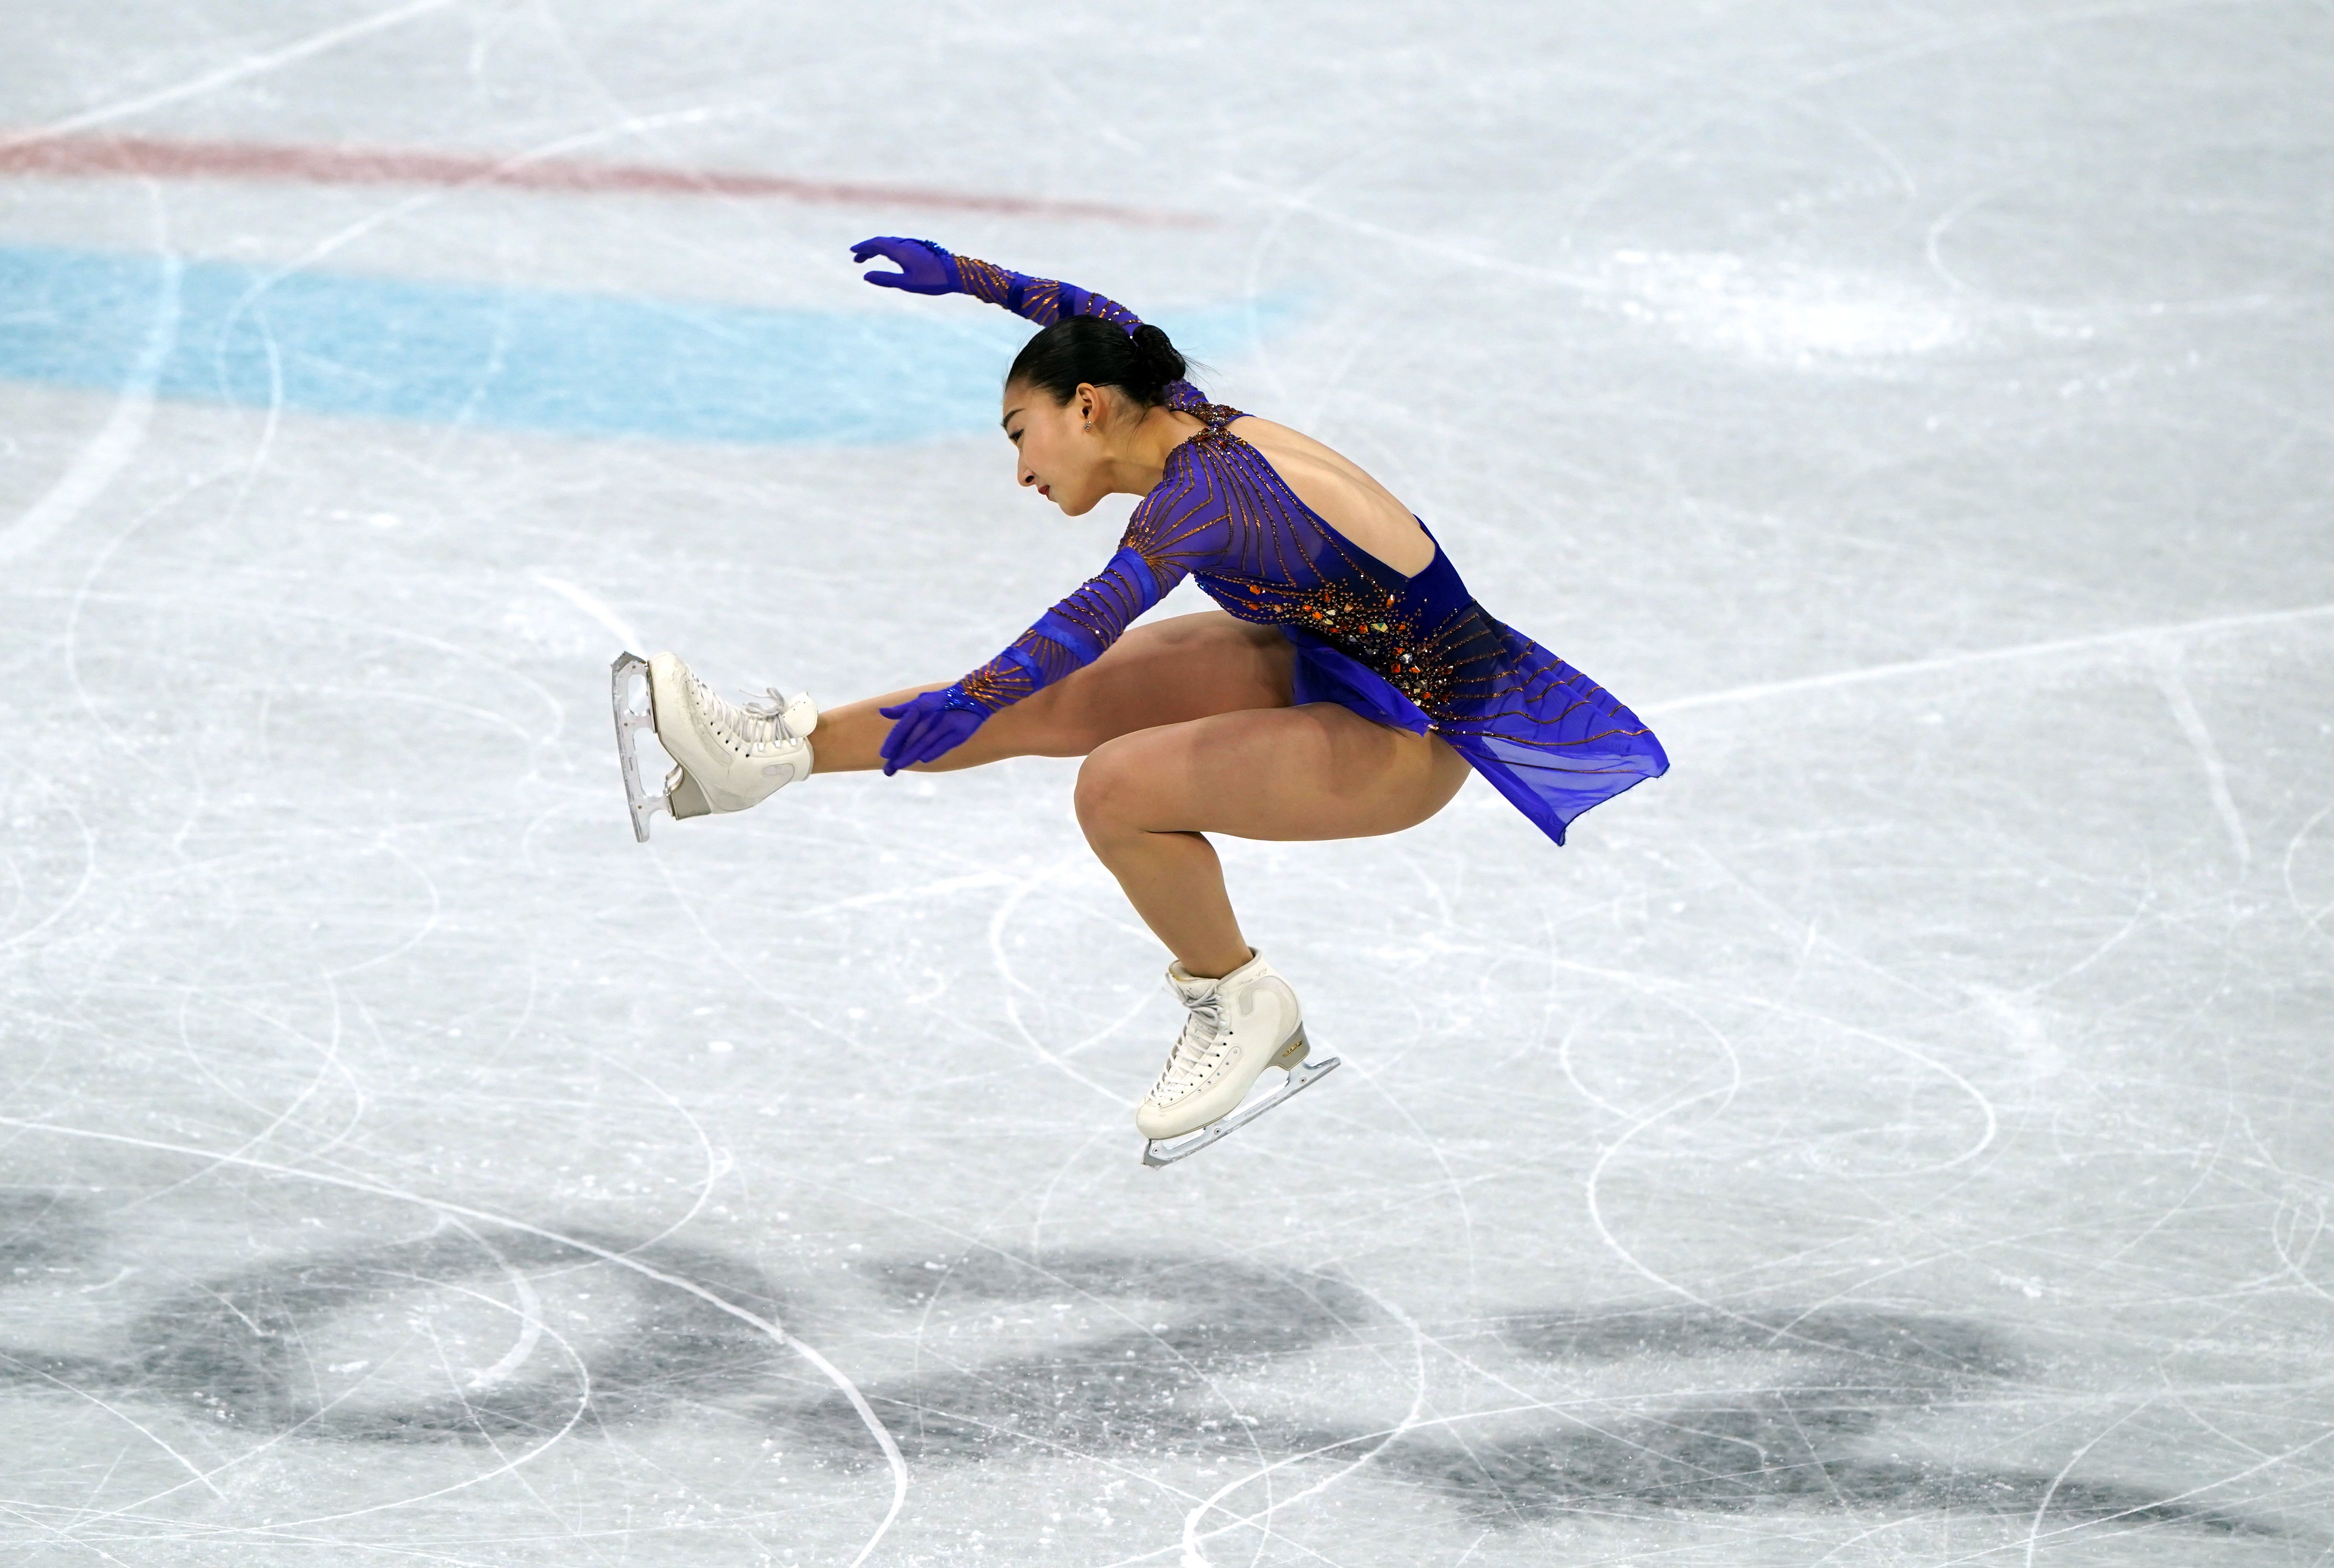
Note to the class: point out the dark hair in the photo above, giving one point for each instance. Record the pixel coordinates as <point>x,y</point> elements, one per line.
<point>1099,353</point>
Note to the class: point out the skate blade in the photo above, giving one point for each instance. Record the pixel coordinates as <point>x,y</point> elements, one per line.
<point>1160,1151</point>
<point>631,720</point>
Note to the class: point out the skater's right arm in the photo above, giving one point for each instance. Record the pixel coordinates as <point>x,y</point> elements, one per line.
<point>926,268</point>
<point>1174,528</point>
<point>1166,534</point>
<point>1074,632</point>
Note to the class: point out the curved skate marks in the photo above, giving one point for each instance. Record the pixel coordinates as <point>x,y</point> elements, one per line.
<point>1819,1415</point>
<point>1171,1334</point>
<point>526,1336</point>
<point>436,1340</point>
<point>608,1349</point>
<point>1820,1409</point>
<point>45,1229</point>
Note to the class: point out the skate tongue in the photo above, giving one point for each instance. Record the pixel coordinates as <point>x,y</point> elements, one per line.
<point>1191,987</point>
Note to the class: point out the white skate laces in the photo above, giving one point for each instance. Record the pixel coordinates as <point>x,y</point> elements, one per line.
<point>761,722</point>
<point>1196,1056</point>
<point>1236,1027</point>
<point>725,757</point>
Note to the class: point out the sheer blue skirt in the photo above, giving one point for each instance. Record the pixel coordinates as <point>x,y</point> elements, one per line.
<point>1540,732</point>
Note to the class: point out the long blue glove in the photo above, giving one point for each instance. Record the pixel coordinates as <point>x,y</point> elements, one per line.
<point>930,724</point>
<point>924,268</point>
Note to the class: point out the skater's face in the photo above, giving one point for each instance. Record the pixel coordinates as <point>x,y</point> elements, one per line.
<point>1060,450</point>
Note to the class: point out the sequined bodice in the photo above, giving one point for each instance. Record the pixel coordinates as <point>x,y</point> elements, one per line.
<point>1223,515</point>
<point>1418,630</point>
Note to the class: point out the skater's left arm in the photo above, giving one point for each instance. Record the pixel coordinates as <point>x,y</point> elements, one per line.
<point>926,268</point>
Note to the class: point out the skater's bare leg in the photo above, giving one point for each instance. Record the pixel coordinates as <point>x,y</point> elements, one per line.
<point>1316,772</point>
<point>1186,668</point>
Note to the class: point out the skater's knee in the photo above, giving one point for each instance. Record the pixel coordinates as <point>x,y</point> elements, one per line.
<point>1111,795</point>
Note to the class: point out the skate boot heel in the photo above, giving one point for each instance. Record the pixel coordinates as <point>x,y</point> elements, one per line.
<point>1295,1052</point>
<point>683,798</point>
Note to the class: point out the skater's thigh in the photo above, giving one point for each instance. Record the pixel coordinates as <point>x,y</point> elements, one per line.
<point>1169,672</point>
<point>1315,772</point>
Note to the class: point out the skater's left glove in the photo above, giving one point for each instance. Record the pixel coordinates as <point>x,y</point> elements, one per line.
<point>924,268</point>
<point>930,724</point>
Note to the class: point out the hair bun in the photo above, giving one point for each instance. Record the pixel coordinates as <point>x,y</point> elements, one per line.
<point>1156,359</point>
<point>1092,350</point>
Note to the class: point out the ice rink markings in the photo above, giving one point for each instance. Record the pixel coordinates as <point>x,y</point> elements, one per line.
<point>598,609</point>
<point>2141,638</point>
<point>581,364</point>
<point>769,1326</point>
<point>244,70</point>
<point>1613,1452</point>
<point>542,169</point>
<point>2199,735</point>
<point>2173,1018</point>
<point>1015,985</point>
<point>2312,920</point>
<point>1213,1503</point>
<point>101,459</point>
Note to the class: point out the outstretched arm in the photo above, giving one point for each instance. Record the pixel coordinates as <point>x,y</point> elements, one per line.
<point>1177,529</point>
<point>1068,637</point>
<point>927,269</point>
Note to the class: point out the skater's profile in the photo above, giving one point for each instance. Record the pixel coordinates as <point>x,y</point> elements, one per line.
<point>1343,689</point>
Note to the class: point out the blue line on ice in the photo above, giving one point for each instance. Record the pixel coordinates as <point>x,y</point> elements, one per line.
<point>569,363</point>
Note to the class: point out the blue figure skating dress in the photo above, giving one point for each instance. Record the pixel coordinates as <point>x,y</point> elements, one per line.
<point>1417,652</point>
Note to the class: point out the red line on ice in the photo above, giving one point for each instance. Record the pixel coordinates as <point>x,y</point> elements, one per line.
<point>133,155</point>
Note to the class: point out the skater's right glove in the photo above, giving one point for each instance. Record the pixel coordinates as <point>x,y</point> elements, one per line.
<point>930,724</point>
<point>924,268</point>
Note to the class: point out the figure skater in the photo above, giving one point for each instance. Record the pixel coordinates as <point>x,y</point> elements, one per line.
<point>1344,690</point>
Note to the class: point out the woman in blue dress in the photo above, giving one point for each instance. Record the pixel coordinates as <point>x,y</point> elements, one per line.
<point>1345,688</point>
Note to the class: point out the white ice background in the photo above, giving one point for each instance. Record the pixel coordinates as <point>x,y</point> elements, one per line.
<point>1904,1134</point>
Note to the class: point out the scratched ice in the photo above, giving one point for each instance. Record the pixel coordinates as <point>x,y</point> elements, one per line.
<point>1903,1135</point>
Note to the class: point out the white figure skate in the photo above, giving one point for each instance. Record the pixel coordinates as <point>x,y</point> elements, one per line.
<point>725,757</point>
<point>1238,1026</point>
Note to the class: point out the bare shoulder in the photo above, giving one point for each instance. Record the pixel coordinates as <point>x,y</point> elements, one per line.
<point>1343,491</point>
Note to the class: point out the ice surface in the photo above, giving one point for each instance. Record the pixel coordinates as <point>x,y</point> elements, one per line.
<point>1902,1134</point>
